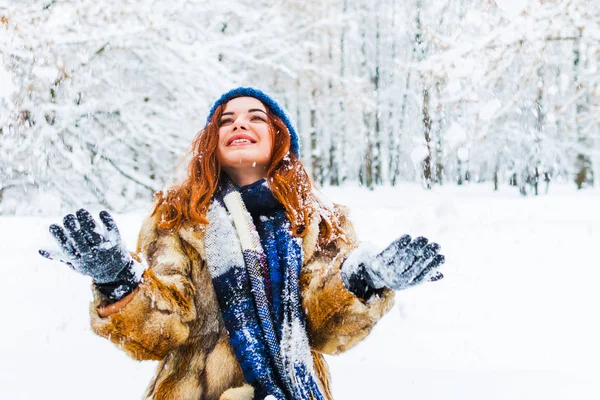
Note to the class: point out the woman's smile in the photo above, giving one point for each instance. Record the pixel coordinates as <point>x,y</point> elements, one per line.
<point>240,139</point>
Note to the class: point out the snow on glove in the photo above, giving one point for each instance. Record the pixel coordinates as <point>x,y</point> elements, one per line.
<point>100,255</point>
<point>404,263</point>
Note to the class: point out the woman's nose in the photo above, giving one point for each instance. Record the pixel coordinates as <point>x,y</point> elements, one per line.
<point>240,123</point>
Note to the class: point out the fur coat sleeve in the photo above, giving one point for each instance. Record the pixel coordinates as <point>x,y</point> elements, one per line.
<point>154,319</point>
<point>337,320</point>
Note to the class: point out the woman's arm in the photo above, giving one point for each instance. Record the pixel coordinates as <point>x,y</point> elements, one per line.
<point>154,318</point>
<point>337,319</point>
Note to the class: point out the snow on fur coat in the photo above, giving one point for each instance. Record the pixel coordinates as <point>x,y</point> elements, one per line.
<point>174,317</point>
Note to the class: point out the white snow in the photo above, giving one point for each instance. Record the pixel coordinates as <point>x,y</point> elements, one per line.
<point>7,87</point>
<point>516,316</point>
<point>490,108</point>
<point>138,269</point>
<point>456,134</point>
<point>454,87</point>
<point>419,153</point>
<point>45,73</point>
<point>552,90</point>
<point>366,252</point>
<point>463,153</point>
<point>511,7</point>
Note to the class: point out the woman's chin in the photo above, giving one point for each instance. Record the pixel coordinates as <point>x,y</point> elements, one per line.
<point>244,159</point>
<point>242,163</point>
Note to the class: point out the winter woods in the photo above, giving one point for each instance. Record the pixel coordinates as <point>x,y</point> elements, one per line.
<point>99,100</point>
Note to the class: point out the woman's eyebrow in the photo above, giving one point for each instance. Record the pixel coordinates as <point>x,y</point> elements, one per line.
<point>257,109</point>
<point>250,110</point>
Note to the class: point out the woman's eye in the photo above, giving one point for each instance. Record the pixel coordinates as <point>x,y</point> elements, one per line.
<point>257,118</point>
<point>226,121</point>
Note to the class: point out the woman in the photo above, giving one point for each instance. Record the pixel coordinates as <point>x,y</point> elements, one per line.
<point>242,278</point>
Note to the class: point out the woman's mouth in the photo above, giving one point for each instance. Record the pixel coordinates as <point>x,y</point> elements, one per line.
<point>236,141</point>
<point>240,140</point>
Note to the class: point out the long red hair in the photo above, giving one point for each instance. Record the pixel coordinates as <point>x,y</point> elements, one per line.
<point>286,175</point>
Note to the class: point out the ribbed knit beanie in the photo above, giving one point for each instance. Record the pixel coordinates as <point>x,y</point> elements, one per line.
<point>269,102</point>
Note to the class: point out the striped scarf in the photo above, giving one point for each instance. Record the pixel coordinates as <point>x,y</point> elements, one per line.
<point>255,262</point>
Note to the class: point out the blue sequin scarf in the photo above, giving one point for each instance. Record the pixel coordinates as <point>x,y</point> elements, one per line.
<point>255,263</point>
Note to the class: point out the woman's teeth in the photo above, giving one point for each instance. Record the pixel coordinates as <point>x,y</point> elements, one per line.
<point>241,141</point>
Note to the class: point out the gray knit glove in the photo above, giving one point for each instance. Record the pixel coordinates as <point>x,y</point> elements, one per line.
<point>98,253</point>
<point>403,264</point>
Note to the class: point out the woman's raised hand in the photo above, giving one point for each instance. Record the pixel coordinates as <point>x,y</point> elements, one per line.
<point>96,252</point>
<point>404,263</point>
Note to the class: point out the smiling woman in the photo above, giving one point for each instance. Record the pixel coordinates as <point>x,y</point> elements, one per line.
<point>243,278</point>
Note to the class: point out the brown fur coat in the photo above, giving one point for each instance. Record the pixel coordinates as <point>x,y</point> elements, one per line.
<point>173,316</point>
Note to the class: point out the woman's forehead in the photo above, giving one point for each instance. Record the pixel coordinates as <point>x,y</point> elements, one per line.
<point>244,104</point>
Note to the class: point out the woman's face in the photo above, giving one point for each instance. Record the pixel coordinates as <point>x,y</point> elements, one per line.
<point>245,141</point>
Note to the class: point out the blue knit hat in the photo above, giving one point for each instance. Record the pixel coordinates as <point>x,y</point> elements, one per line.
<point>268,102</point>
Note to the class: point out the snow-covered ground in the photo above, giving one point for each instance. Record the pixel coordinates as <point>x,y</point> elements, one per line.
<point>516,317</point>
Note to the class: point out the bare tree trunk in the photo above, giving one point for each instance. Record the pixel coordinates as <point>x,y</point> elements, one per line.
<point>377,156</point>
<point>369,153</point>
<point>337,179</point>
<point>459,173</point>
<point>584,175</point>
<point>396,149</point>
<point>368,177</point>
<point>315,151</point>
<point>332,172</point>
<point>427,135</point>
<point>539,128</point>
<point>496,178</point>
<point>439,146</point>
<point>420,50</point>
<point>393,137</point>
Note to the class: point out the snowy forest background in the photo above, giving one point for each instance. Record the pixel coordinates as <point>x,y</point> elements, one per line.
<point>432,104</point>
<point>99,100</point>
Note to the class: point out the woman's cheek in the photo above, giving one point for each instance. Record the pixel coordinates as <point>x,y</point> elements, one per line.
<point>268,155</point>
<point>221,156</point>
